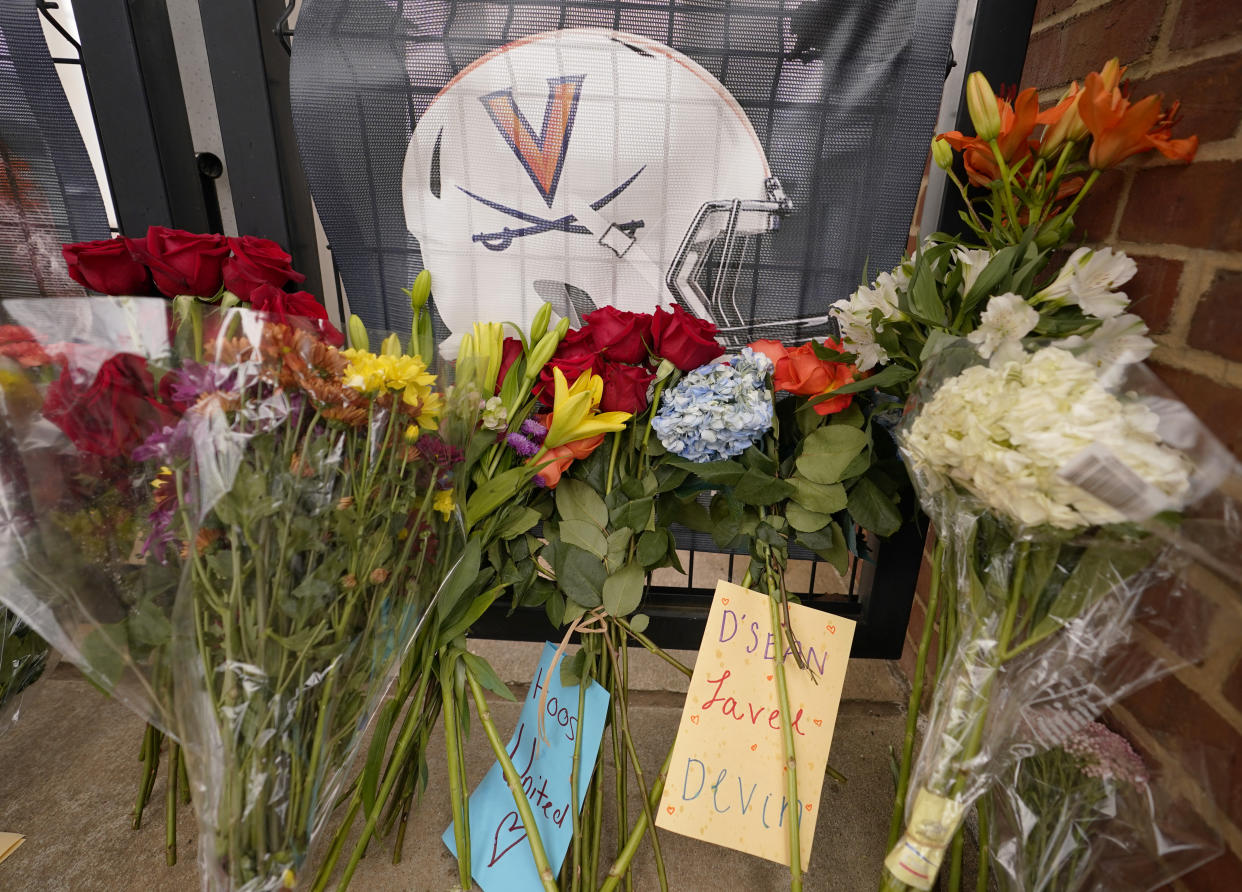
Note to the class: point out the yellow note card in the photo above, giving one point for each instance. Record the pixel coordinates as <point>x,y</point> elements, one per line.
<point>9,843</point>
<point>726,781</point>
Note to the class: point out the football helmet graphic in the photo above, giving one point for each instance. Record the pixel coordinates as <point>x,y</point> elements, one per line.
<point>590,167</point>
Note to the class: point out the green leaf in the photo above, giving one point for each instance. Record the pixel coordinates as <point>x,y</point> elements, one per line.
<point>571,669</point>
<point>996,272</point>
<point>494,493</point>
<point>576,500</point>
<point>636,514</point>
<point>829,544</point>
<point>477,608</point>
<point>725,473</point>
<point>639,621</point>
<point>652,547</point>
<point>581,576</point>
<point>148,625</point>
<point>369,782</point>
<point>623,590</point>
<point>872,509</point>
<point>459,578</point>
<point>823,498</point>
<point>937,340</point>
<point>485,675</point>
<point>105,652</point>
<point>758,488</point>
<point>885,377</point>
<point>585,535</point>
<point>756,458</point>
<point>924,297</point>
<point>619,546</point>
<point>851,415</point>
<point>519,521</point>
<point>805,521</point>
<point>828,450</point>
<point>669,478</point>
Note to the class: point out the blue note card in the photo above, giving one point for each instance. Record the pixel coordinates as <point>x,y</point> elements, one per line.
<point>499,854</point>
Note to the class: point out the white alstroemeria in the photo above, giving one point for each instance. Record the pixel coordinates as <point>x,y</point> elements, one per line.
<point>1007,318</point>
<point>858,336</point>
<point>1088,280</point>
<point>1004,433</point>
<point>972,261</point>
<point>1118,341</point>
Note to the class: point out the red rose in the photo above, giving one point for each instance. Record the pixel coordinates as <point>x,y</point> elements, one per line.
<point>509,354</point>
<point>575,354</point>
<point>182,262</point>
<point>619,335</point>
<point>107,267</point>
<point>625,388</point>
<point>286,308</point>
<point>257,261</point>
<point>114,413</point>
<point>684,340</point>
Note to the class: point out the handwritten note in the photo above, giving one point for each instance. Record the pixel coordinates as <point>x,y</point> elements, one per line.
<point>500,858</point>
<point>9,843</point>
<point>726,781</point>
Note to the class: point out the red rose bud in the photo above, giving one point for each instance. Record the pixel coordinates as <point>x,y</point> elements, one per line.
<point>112,415</point>
<point>182,262</point>
<point>625,388</point>
<point>620,335</point>
<point>106,266</point>
<point>286,308</point>
<point>684,340</point>
<point>575,354</point>
<point>509,354</point>
<point>255,262</point>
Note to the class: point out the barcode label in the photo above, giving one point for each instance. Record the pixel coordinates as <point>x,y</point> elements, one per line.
<point>1097,471</point>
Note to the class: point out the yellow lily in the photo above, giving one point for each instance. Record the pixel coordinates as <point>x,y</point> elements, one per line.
<point>573,410</point>
<point>480,356</point>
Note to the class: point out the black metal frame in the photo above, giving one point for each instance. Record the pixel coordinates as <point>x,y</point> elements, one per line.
<point>130,65</point>
<point>250,77</point>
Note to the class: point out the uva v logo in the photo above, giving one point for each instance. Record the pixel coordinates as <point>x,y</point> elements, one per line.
<point>542,155</point>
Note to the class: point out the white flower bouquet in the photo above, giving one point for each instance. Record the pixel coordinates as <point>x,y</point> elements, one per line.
<point>1061,494</point>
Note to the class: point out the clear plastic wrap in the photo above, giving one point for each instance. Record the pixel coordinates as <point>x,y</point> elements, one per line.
<point>1089,816</point>
<point>23,657</point>
<point>1069,506</point>
<point>287,508</point>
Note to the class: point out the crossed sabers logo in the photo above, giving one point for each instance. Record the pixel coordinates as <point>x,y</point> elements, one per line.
<point>543,157</point>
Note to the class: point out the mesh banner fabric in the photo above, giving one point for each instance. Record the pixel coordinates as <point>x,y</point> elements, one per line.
<point>842,96</point>
<point>48,192</point>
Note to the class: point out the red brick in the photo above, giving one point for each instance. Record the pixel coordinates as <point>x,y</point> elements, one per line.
<point>1221,873</point>
<point>1210,92</point>
<point>1218,406</point>
<point>1067,51</point>
<point>1202,21</point>
<point>1217,323</point>
<point>1232,688</point>
<point>1194,205</point>
<point>1047,8</point>
<point>1197,736</point>
<point>1153,290</point>
<point>1179,615</point>
<point>1094,217</point>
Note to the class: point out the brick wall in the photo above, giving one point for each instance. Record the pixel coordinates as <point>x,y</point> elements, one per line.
<point>1183,226</point>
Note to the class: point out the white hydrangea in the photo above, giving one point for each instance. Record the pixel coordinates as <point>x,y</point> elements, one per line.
<point>1003,434</point>
<point>1088,280</point>
<point>1007,317</point>
<point>854,316</point>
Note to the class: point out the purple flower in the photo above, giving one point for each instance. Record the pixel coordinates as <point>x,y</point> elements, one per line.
<point>169,442</point>
<point>439,453</point>
<point>534,430</point>
<point>1107,755</point>
<point>193,379</point>
<point>521,445</point>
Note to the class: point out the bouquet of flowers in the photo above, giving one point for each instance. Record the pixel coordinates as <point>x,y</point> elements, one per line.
<point>1086,815</point>
<point>23,657</point>
<point>294,512</point>
<point>1060,497</point>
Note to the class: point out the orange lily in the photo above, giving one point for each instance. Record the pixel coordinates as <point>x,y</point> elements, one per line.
<point>1120,128</point>
<point>1017,122</point>
<point>561,457</point>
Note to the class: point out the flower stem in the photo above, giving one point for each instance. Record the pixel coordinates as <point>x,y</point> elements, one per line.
<point>654,648</point>
<point>515,785</point>
<point>787,741</point>
<point>622,864</point>
<point>457,798</point>
<point>575,876</point>
<point>916,697</point>
<point>170,806</point>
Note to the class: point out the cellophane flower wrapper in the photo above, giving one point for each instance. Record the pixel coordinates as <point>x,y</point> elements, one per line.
<point>1075,506</point>
<point>1089,816</point>
<point>23,658</point>
<point>287,520</point>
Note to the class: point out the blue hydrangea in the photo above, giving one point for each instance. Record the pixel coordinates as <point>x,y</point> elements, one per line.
<point>718,409</point>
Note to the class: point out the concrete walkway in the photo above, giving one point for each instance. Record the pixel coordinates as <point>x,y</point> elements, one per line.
<point>69,772</point>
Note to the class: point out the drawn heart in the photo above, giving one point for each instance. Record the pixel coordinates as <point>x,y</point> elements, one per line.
<point>671,809</point>
<point>808,806</point>
<point>819,723</point>
<point>832,630</point>
<point>753,747</point>
<point>694,719</point>
<point>769,678</point>
<point>515,825</point>
<point>724,600</point>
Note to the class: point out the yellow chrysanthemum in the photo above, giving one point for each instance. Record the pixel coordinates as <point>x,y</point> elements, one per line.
<point>444,503</point>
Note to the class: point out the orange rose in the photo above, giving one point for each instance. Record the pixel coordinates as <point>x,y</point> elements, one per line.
<point>800,371</point>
